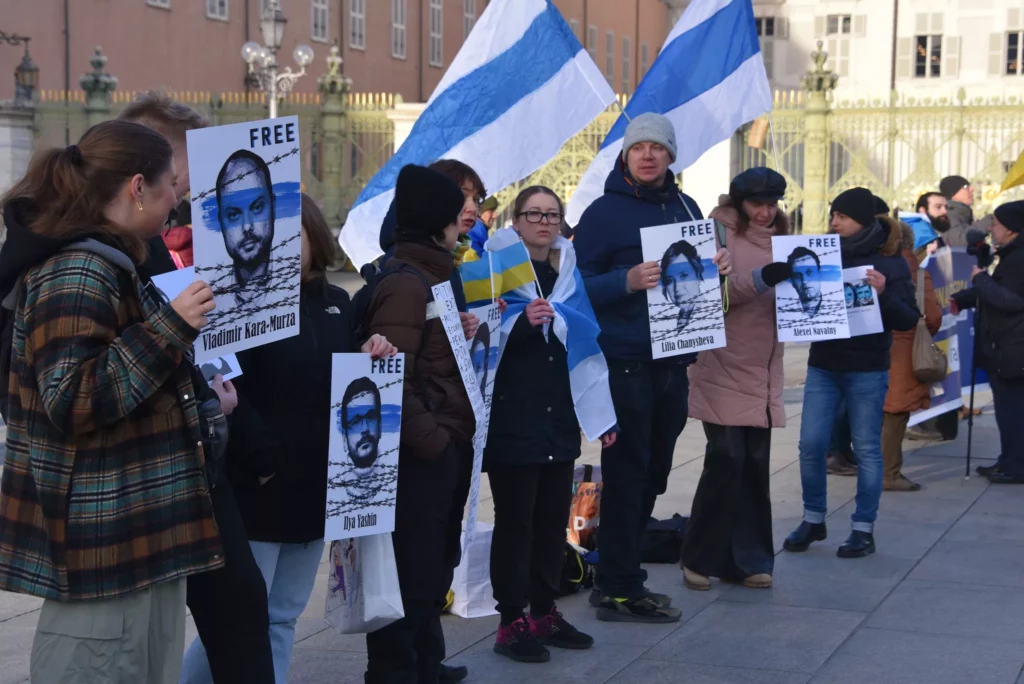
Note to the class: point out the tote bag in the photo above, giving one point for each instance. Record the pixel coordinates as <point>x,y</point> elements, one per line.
<point>363,593</point>
<point>472,596</point>
<point>928,361</point>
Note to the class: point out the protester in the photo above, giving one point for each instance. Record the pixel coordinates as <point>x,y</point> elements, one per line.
<point>857,370</point>
<point>437,427</point>
<point>650,396</point>
<point>531,470</point>
<point>489,212</point>
<point>906,394</point>
<point>999,298</point>
<point>960,195</point>
<point>929,222</point>
<point>228,605</point>
<point>279,448</point>
<point>104,508</point>
<point>736,391</point>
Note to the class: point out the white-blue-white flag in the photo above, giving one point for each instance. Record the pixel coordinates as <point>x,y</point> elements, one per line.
<point>520,87</point>
<point>709,79</point>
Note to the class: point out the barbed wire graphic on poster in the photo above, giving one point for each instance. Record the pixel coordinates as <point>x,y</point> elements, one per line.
<point>247,220</point>
<point>362,469</point>
<point>810,305</point>
<point>685,308</point>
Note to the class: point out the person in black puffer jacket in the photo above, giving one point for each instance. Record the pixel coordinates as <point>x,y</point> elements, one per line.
<point>855,370</point>
<point>999,298</point>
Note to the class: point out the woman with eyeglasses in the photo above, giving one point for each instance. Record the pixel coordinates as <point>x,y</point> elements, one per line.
<point>534,434</point>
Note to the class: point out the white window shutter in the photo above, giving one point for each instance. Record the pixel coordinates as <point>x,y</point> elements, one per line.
<point>1013,19</point>
<point>768,55</point>
<point>831,47</point>
<point>905,58</point>
<point>781,28</point>
<point>937,24</point>
<point>844,57</point>
<point>920,24</point>
<point>996,55</point>
<point>819,27</point>
<point>860,25</point>
<point>951,57</point>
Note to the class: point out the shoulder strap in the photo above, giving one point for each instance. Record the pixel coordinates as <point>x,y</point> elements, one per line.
<point>920,290</point>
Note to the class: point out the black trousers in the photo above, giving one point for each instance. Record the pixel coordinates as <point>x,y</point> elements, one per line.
<point>729,534</point>
<point>531,507</point>
<point>651,403</point>
<point>410,650</point>
<point>1008,396</point>
<point>229,605</point>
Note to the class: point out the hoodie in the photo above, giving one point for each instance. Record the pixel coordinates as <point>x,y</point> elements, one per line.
<point>607,242</point>
<point>23,248</point>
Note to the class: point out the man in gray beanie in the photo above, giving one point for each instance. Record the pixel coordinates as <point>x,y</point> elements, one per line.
<point>650,396</point>
<point>959,192</point>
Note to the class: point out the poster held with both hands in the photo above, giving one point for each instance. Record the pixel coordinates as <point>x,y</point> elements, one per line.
<point>810,306</point>
<point>247,223</point>
<point>685,308</point>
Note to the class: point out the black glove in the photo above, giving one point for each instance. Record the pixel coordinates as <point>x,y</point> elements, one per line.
<point>775,273</point>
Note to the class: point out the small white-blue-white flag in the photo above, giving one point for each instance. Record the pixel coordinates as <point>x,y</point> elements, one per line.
<point>520,87</point>
<point>708,79</point>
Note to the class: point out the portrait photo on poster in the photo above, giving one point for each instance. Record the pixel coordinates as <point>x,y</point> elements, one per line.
<point>862,309</point>
<point>170,285</point>
<point>685,307</point>
<point>246,231</point>
<point>811,304</point>
<point>483,349</point>
<point>366,420</point>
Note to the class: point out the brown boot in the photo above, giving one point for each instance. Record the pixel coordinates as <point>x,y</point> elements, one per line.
<point>838,465</point>
<point>695,581</point>
<point>900,484</point>
<point>759,581</point>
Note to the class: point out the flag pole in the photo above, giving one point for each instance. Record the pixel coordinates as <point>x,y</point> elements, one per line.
<point>775,149</point>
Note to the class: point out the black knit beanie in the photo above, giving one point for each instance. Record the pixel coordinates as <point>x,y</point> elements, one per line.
<point>426,202</point>
<point>857,203</point>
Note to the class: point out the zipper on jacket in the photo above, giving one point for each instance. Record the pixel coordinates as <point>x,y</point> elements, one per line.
<point>769,406</point>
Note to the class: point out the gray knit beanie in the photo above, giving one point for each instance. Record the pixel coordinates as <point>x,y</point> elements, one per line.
<point>650,127</point>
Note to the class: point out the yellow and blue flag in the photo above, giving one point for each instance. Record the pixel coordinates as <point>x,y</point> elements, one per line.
<point>503,267</point>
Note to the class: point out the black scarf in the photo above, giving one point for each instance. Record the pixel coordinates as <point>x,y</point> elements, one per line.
<point>864,242</point>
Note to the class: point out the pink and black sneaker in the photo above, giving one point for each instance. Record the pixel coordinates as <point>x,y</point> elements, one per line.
<point>516,642</point>
<point>553,630</point>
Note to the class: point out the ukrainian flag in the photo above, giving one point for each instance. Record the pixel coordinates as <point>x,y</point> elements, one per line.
<point>496,272</point>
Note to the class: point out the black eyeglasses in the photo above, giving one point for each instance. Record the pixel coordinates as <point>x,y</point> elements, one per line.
<point>553,217</point>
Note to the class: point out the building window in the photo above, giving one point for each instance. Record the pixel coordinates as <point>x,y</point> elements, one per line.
<point>217,9</point>
<point>398,28</point>
<point>766,37</point>
<point>1014,43</point>
<point>644,59</point>
<point>609,55</point>
<point>575,27</point>
<point>838,24</point>
<point>927,56</point>
<point>627,64</point>
<point>166,4</point>
<point>357,24</point>
<point>320,32</point>
<point>592,42</point>
<point>436,34</point>
<point>468,17</point>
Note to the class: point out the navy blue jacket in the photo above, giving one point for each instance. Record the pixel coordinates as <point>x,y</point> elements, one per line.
<point>607,242</point>
<point>898,303</point>
<point>387,245</point>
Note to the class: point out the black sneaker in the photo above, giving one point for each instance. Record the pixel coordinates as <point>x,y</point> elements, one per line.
<point>553,630</point>
<point>452,674</point>
<point>662,600</point>
<point>857,545</point>
<point>516,642</point>
<point>800,539</point>
<point>643,609</point>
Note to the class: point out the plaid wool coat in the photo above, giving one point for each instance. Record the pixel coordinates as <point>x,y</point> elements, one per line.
<point>103,489</point>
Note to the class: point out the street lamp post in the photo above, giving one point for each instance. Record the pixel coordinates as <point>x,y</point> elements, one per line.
<point>262,60</point>
<point>26,74</point>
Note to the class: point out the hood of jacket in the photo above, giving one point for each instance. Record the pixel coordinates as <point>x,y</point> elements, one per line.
<point>960,212</point>
<point>893,244</point>
<point>23,248</point>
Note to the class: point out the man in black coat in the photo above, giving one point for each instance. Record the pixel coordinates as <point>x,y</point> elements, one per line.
<point>854,370</point>
<point>999,298</point>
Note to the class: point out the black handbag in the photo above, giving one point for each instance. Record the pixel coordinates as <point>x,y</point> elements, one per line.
<point>213,427</point>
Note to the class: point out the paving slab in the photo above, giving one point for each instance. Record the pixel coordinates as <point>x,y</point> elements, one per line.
<point>888,657</point>
<point>759,635</point>
<point>660,672</point>
<point>996,564</point>
<point>16,648</point>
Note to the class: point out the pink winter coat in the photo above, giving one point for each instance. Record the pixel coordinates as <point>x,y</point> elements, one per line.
<point>739,384</point>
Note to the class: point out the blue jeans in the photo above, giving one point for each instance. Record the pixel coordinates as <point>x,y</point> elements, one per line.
<point>290,573</point>
<point>841,432</point>
<point>865,398</point>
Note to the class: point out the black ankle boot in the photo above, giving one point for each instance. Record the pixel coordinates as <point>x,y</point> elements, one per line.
<point>800,539</point>
<point>857,545</point>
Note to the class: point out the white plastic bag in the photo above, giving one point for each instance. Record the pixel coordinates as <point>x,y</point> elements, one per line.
<point>472,596</point>
<point>363,593</point>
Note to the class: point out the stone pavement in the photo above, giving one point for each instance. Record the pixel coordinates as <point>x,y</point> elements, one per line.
<point>941,602</point>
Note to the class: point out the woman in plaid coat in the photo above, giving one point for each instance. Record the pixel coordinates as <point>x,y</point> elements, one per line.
<point>104,508</point>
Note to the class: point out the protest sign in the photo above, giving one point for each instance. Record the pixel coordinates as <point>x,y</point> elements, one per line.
<point>362,469</point>
<point>862,309</point>
<point>170,286</point>
<point>247,221</point>
<point>810,305</point>
<point>685,309</point>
